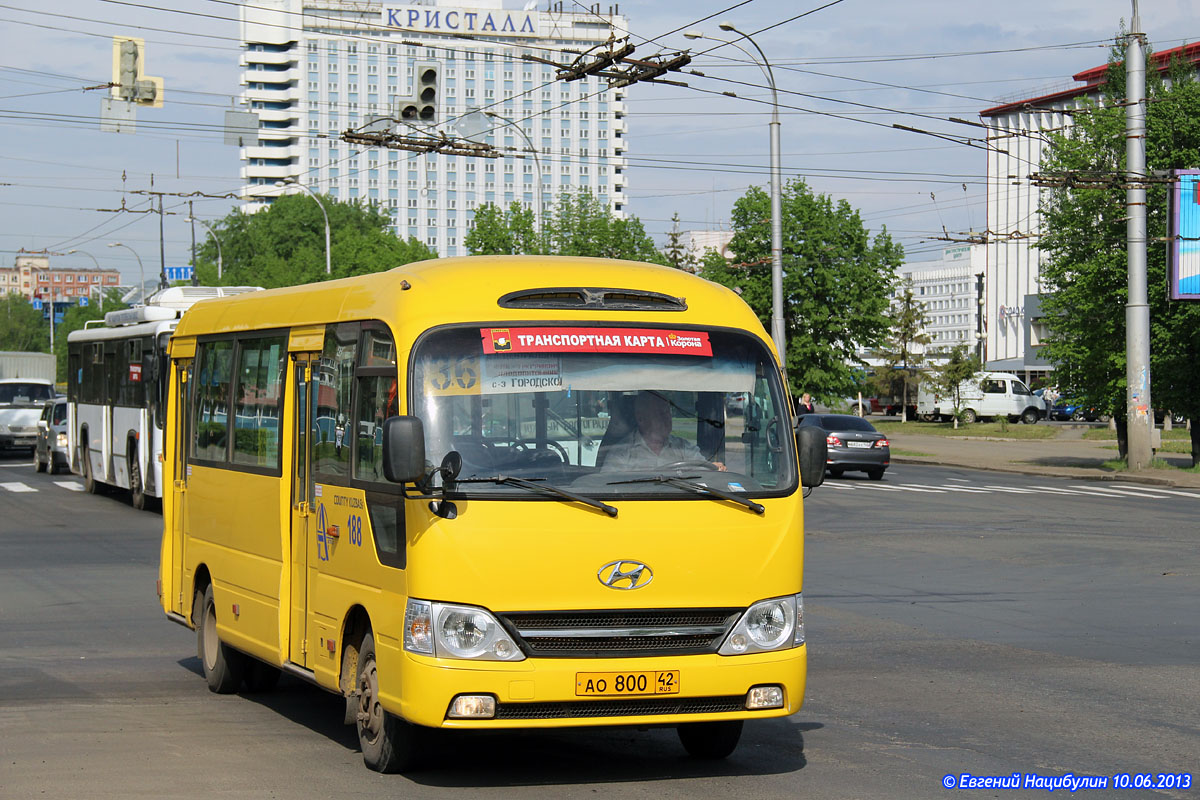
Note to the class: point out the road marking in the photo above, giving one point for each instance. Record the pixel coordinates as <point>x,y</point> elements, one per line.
<point>947,488</point>
<point>1012,489</point>
<point>74,486</point>
<point>1119,493</point>
<point>1175,491</point>
<point>17,486</point>
<point>912,487</point>
<point>880,488</point>
<point>832,485</point>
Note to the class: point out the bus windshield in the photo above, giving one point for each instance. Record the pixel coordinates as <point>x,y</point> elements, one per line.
<point>604,411</point>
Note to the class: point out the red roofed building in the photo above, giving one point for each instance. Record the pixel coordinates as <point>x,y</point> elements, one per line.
<point>1015,128</point>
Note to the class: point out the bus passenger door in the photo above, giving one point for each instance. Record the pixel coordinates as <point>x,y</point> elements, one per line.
<point>179,470</point>
<point>301,515</point>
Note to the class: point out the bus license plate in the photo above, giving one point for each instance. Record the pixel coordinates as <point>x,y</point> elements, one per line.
<point>625,684</point>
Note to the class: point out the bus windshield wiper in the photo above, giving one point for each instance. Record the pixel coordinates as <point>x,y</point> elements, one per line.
<point>697,488</point>
<point>534,486</point>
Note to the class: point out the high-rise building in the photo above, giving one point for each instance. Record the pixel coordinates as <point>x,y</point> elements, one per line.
<point>316,68</point>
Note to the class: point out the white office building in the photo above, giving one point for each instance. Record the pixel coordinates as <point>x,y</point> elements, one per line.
<point>946,289</point>
<point>1016,144</point>
<point>316,68</point>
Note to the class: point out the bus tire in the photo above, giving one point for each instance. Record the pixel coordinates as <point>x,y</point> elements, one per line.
<point>1030,416</point>
<point>969,416</point>
<point>137,491</point>
<point>89,480</point>
<point>37,461</point>
<point>388,743</point>
<point>224,667</point>
<point>710,740</point>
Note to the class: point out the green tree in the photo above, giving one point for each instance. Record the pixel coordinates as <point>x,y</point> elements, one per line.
<point>76,318</point>
<point>284,244</point>
<point>22,327</point>
<point>577,225</point>
<point>676,254</point>
<point>960,366</point>
<point>1085,272</point>
<point>837,282</point>
<point>903,353</point>
<point>497,232</point>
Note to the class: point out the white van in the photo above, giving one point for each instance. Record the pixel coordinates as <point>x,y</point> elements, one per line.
<point>988,394</point>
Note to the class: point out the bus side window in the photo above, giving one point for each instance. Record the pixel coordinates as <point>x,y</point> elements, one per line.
<point>333,414</point>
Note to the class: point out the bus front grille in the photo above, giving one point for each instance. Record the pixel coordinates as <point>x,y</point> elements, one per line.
<point>604,634</point>
<point>642,707</point>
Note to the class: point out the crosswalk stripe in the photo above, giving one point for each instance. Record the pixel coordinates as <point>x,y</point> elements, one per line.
<point>911,487</point>
<point>1113,492</point>
<point>17,486</point>
<point>833,485</point>
<point>1175,491</point>
<point>74,486</point>
<point>947,488</point>
<point>879,488</point>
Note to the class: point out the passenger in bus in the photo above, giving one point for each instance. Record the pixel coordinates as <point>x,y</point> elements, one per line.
<point>652,444</point>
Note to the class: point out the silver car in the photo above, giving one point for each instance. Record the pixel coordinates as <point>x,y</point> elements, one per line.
<point>854,444</point>
<point>51,450</point>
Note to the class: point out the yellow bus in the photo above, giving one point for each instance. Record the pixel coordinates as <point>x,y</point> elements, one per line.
<point>491,492</point>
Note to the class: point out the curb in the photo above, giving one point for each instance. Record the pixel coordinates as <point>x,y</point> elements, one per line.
<point>1110,477</point>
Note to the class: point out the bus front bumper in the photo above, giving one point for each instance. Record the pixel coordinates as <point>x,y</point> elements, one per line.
<point>546,692</point>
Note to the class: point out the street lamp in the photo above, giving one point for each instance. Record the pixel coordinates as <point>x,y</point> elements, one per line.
<point>141,271</point>
<point>293,182</point>
<point>94,285</point>
<point>537,163</point>
<point>777,331</point>
<point>213,234</point>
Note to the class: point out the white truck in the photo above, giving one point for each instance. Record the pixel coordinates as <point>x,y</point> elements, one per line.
<point>18,364</point>
<point>988,394</point>
<point>21,403</point>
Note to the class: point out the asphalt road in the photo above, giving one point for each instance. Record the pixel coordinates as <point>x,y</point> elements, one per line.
<point>958,621</point>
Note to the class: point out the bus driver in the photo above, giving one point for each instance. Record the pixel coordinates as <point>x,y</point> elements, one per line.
<point>652,444</point>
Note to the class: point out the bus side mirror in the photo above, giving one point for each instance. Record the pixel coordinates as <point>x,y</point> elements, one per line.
<point>403,449</point>
<point>810,442</point>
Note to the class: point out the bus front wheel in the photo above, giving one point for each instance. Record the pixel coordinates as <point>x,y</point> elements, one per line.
<point>710,740</point>
<point>388,743</point>
<point>224,667</point>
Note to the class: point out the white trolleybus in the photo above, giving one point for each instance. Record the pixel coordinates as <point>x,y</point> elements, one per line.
<point>116,391</point>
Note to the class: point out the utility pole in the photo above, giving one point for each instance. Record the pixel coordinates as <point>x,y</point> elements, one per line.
<point>1139,412</point>
<point>192,219</point>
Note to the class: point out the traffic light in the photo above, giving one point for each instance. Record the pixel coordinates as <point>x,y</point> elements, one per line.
<point>130,82</point>
<point>422,106</point>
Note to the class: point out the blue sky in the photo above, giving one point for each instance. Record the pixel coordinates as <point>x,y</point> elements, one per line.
<point>692,152</point>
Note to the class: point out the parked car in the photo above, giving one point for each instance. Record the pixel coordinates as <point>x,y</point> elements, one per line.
<point>854,444</point>
<point>50,453</point>
<point>735,403</point>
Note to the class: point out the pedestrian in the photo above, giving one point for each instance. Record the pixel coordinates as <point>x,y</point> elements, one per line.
<point>805,406</point>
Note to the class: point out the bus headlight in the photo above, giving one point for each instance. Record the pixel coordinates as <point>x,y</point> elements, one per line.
<point>62,440</point>
<point>453,631</point>
<point>775,624</point>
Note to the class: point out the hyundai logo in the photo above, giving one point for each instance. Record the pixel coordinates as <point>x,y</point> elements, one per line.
<point>625,574</point>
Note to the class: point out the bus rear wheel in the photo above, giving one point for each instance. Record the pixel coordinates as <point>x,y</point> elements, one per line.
<point>89,480</point>
<point>137,492</point>
<point>388,743</point>
<point>710,740</point>
<point>224,667</point>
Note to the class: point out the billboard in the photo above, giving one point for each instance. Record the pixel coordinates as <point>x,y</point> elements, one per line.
<point>1183,261</point>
